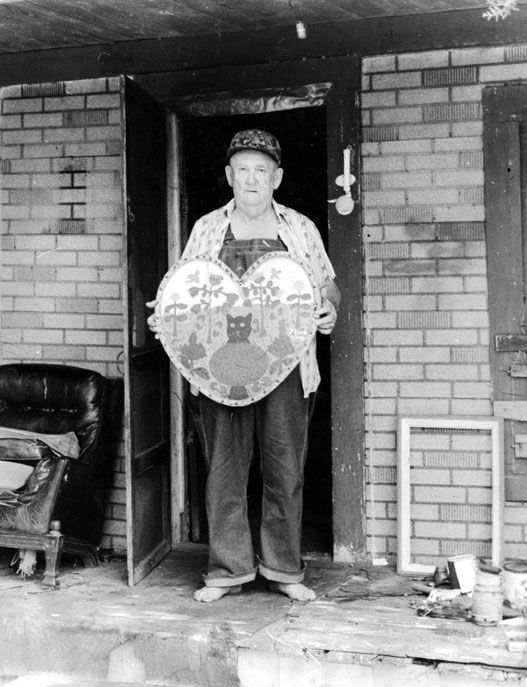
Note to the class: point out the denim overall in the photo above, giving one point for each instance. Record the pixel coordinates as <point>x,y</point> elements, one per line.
<point>280,422</point>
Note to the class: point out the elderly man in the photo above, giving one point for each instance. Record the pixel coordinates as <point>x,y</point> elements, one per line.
<point>250,225</point>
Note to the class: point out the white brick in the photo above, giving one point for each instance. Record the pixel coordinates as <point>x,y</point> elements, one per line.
<point>413,302</point>
<point>460,143</point>
<point>397,115</point>
<point>466,93</point>
<point>64,103</point>
<point>85,86</point>
<point>436,284</point>
<point>420,390</point>
<point>398,372</point>
<point>448,530</point>
<point>371,148</point>
<point>452,372</point>
<point>423,60</point>
<point>503,72</point>
<point>424,406</point>
<point>406,179</point>
<point>461,266</point>
<point>451,337</point>
<point>383,198</point>
<point>420,96</point>
<point>479,531</point>
<point>461,213</point>
<point>425,547</point>
<point>471,407</point>
<point>383,390</point>
<point>383,82</point>
<point>381,406</point>
<point>477,55</point>
<point>471,390</point>
<point>408,146</point>
<point>378,99</point>
<point>432,161</point>
<point>104,101</point>
<point>383,527</point>
<point>383,163</point>
<point>425,355</point>
<point>413,131</point>
<point>440,495</point>
<point>473,177</point>
<point>433,196</point>
<point>463,302</point>
<point>402,337</point>
<point>43,336</point>
<point>382,355</point>
<point>424,511</point>
<point>479,478</point>
<point>467,128</point>
<point>381,63</point>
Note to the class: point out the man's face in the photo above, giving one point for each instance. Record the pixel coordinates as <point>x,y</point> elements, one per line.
<point>253,176</point>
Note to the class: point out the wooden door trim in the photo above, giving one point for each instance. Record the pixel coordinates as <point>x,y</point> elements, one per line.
<point>343,128</point>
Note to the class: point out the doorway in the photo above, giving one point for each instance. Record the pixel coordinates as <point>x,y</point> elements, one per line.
<point>302,134</point>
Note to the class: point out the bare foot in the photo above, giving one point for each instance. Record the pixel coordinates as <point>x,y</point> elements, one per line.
<point>295,591</point>
<point>208,594</point>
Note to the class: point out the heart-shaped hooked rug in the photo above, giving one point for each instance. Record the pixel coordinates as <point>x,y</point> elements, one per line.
<point>236,339</point>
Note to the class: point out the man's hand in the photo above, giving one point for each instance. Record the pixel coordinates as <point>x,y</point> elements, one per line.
<point>152,319</point>
<point>326,317</point>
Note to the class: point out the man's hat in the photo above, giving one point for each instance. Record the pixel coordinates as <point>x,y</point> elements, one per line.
<point>255,139</point>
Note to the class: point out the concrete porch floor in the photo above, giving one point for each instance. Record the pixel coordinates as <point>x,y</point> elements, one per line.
<point>361,631</point>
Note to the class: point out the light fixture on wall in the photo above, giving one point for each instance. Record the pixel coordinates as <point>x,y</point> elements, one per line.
<point>301,30</point>
<point>344,204</point>
<point>500,9</point>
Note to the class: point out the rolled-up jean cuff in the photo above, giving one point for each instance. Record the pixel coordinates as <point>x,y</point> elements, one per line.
<point>281,575</point>
<point>231,581</point>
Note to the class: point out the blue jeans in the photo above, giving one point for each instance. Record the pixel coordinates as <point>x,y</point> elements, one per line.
<point>280,423</point>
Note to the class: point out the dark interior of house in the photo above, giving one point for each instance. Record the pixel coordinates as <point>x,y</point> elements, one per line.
<point>302,135</point>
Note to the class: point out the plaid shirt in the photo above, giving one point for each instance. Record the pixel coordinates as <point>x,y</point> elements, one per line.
<point>302,240</point>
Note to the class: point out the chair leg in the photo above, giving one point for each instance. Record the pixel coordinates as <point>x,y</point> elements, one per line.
<point>54,542</point>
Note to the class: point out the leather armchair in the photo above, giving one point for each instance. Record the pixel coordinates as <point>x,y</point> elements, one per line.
<point>62,504</point>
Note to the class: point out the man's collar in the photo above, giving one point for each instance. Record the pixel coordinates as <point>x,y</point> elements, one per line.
<point>229,208</point>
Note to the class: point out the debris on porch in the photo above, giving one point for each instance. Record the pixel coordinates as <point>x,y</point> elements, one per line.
<point>363,629</point>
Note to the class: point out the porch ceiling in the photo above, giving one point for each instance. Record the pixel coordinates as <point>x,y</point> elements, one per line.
<point>28,25</point>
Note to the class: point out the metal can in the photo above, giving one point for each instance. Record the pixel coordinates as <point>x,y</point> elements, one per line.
<point>515,584</point>
<point>487,599</point>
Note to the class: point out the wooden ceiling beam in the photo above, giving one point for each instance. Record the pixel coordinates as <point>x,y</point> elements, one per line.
<point>377,36</point>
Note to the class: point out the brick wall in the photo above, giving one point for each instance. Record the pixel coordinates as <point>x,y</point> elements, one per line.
<point>426,317</point>
<point>61,235</point>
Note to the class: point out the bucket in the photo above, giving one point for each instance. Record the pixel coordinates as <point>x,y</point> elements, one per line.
<point>487,599</point>
<point>515,584</point>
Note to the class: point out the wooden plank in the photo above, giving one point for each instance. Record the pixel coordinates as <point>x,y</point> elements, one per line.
<point>510,342</point>
<point>170,86</point>
<point>504,241</point>
<point>87,22</point>
<point>369,36</point>
<point>27,20</point>
<point>90,29</point>
<point>383,627</point>
<point>503,109</point>
<point>511,410</point>
<point>347,363</point>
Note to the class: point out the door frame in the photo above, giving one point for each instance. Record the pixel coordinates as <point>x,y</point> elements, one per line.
<point>345,251</point>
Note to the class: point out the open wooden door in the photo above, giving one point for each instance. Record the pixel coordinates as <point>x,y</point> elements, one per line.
<point>147,425</point>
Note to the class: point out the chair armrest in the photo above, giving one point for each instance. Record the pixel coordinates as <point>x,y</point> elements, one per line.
<point>23,449</point>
